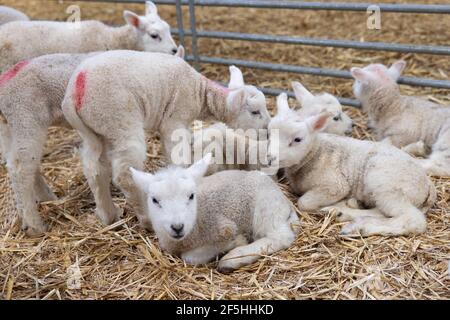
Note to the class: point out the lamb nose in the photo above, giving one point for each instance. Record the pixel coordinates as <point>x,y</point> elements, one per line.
<point>177,227</point>
<point>174,50</point>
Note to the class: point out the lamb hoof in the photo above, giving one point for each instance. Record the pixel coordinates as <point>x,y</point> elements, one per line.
<point>353,203</point>
<point>225,269</point>
<point>352,229</point>
<point>108,218</point>
<point>330,210</point>
<point>35,230</point>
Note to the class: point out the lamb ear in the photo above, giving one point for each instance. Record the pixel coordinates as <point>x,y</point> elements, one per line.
<point>142,179</point>
<point>317,123</point>
<point>180,52</point>
<point>301,93</point>
<point>359,74</point>
<point>235,100</point>
<point>236,78</point>
<point>282,103</point>
<point>132,18</point>
<point>396,69</point>
<point>150,8</point>
<point>199,168</point>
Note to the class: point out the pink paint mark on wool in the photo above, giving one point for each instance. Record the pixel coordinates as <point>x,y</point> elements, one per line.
<point>217,86</point>
<point>80,90</point>
<point>11,73</point>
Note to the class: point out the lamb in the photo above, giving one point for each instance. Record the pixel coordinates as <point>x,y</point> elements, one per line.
<point>8,14</point>
<point>30,102</point>
<point>21,40</point>
<point>413,124</point>
<point>114,97</point>
<point>232,149</point>
<point>243,213</point>
<point>339,123</point>
<point>325,169</point>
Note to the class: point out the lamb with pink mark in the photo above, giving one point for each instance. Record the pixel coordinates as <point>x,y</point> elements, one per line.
<point>31,94</point>
<point>123,94</point>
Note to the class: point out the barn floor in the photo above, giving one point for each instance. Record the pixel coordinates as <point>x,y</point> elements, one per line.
<point>81,259</point>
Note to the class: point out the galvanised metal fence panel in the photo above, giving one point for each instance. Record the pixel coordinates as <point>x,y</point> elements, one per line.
<point>300,5</point>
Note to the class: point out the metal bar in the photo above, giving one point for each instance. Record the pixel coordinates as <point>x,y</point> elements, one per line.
<point>377,46</point>
<point>323,72</point>
<point>180,22</point>
<point>276,92</point>
<point>193,33</point>
<point>344,101</point>
<point>336,6</point>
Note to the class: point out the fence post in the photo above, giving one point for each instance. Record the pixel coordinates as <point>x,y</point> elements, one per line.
<point>180,23</point>
<point>193,33</point>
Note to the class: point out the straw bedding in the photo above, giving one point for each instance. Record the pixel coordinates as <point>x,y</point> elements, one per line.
<point>79,258</point>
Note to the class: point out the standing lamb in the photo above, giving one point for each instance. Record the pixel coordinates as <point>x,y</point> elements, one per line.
<point>413,124</point>
<point>30,102</point>
<point>8,14</point>
<point>21,40</point>
<point>114,97</point>
<point>199,218</point>
<point>339,122</point>
<point>325,169</point>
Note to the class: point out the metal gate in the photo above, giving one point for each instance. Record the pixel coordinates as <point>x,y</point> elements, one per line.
<point>195,34</point>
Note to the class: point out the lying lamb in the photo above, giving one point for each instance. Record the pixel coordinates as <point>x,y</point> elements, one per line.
<point>199,218</point>
<point>416,125</point>
<point>339,123</point>
<point>8,14</point>
<point>30,102</point>
<point>325,169</point>
<point>114,97</point>
<point>21,40</point>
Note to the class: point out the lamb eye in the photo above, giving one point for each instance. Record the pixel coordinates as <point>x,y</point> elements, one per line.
<point>191,197</point>
<point>154,36</point>
<point>337,118</point>
<point>297,140</point>
<point>155,201</point>
<point>255,113</point>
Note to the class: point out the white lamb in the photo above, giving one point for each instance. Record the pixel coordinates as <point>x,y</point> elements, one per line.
<point>8,14</point>
<point>413,124</point>
<point>21,40</point>
<point>339,122</point>
<point>115,97</point>
<point>30,102</point>
<point>325,169</point>
<point>243,213</point>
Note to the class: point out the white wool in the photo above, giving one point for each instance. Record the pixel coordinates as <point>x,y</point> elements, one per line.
<point>325,169</point>
<point>20,40</point>
<point>338,123</point>
<point>243,214</point>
